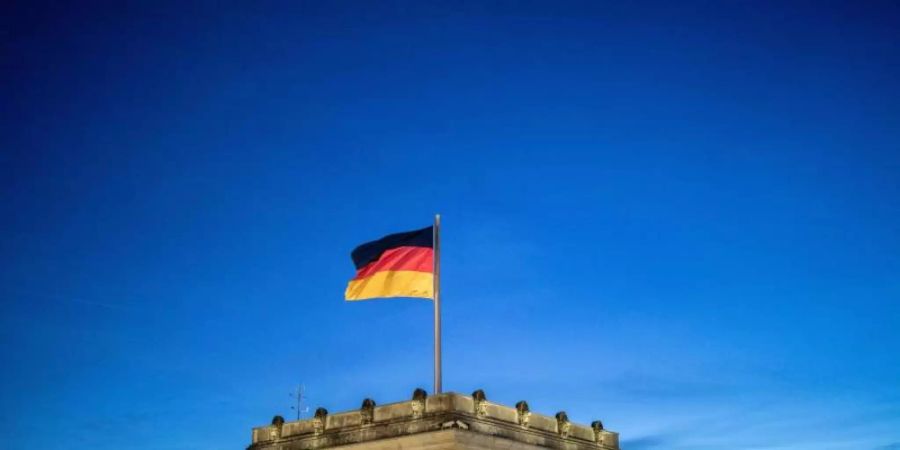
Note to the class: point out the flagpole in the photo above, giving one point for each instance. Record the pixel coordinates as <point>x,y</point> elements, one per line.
<point>437,303</point>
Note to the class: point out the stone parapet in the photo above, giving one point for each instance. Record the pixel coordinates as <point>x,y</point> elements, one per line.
<point>423,414</point>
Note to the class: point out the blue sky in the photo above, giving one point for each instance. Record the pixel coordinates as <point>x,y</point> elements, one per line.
<point>680,219</point>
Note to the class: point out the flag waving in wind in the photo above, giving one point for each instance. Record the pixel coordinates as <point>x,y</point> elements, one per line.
<point>397,265</point>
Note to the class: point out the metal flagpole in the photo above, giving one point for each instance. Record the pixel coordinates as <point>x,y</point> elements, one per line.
<point>437,303</point>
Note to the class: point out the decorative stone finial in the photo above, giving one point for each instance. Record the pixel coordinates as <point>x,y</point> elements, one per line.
<point>319,420</point>
<point>275,429</point>
<point>480,403</point>
<point>523,413</point>
<point>418,402</point>
<point>562,424</point>
<point>597,426</point>
<point>367,411</point>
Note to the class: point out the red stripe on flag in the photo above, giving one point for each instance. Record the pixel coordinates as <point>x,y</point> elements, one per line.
<point>417,259</point>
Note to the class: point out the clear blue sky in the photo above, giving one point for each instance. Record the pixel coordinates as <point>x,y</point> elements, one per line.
<point>681,219</point>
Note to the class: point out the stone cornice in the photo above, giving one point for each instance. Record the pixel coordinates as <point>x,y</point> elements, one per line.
<point>448,411</point>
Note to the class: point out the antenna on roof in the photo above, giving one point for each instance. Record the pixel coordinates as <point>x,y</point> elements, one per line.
<point>300,396</point>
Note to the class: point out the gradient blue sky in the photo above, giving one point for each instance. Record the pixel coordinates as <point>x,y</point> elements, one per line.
<point>683,219</point>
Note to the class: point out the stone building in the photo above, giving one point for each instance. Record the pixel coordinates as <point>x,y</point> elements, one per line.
<point>443,421</point>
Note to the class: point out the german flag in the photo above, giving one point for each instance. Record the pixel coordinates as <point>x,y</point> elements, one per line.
<point>397,265</point>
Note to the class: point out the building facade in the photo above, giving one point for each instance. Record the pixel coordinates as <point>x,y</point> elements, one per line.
<point>443,421</point>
